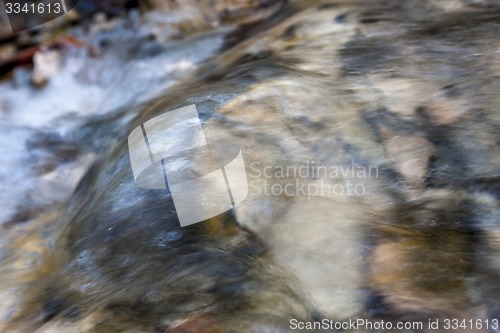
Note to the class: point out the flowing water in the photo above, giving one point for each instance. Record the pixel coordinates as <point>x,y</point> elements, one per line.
<point>369,132</point>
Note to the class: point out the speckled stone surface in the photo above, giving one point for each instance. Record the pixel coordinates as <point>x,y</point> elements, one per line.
<point>395,100</point>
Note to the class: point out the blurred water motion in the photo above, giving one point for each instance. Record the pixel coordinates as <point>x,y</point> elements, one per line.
<point>370,137</point>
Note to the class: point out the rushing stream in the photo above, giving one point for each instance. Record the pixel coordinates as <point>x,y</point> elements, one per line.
<point>369,134</point>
